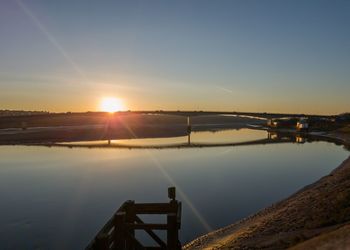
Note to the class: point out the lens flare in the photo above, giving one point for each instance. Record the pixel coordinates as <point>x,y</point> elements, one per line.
<point>111,104</point>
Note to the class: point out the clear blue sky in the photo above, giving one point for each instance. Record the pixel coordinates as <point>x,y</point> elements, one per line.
<point>277,56</point>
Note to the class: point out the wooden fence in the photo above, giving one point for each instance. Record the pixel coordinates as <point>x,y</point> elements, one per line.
<point>119,231</point>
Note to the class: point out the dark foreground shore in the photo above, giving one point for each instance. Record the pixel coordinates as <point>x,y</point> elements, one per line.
<point>316,217</point>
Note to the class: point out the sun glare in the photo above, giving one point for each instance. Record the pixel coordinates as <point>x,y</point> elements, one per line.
<point>111,104</point>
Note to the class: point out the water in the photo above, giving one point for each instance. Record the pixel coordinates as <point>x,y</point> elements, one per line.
<point>207,137</point>
<point>58,198</point>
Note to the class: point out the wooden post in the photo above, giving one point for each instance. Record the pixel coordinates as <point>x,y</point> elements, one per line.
<point>172,232</point>
<point>130,218</point>
<point>119,235</point>
<point>102,242</point>
<point>172,193</point>
<point>179,211</point>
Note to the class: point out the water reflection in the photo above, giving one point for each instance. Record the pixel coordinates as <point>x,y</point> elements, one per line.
<point>201,138</point>
<point>227,136</point>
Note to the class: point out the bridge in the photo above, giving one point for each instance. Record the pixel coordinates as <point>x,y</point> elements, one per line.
<point>260,115</point>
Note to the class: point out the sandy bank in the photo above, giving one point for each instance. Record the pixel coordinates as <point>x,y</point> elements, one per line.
<point>315,216</point>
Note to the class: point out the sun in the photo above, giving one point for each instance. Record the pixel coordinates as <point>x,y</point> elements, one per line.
<point>111,104</point>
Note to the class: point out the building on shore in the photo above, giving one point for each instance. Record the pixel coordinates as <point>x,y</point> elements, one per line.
<point>302,125</point>
<point>282,122</point>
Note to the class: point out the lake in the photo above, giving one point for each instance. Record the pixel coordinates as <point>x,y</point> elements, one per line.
<point>58,197</point>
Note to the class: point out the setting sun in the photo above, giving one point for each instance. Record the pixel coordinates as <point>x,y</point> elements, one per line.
<point>111,104</point>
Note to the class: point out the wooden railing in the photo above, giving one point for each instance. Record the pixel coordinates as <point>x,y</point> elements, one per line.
<point>119,231</point>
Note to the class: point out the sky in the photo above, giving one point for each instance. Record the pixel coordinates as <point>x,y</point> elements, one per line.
<point>290,56</point>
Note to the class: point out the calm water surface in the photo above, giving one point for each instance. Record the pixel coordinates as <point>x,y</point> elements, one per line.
<point>210,137</point>
<point>58,198</point>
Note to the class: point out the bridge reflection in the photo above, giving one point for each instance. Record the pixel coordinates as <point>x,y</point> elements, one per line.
<point>271,138</point>
<point>298,138</point>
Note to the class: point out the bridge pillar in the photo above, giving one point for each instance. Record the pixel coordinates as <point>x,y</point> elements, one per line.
<point>189,130</point>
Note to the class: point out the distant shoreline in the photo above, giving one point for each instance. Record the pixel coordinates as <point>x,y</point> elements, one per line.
<point>143,127</point>
<point>60,129</point>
